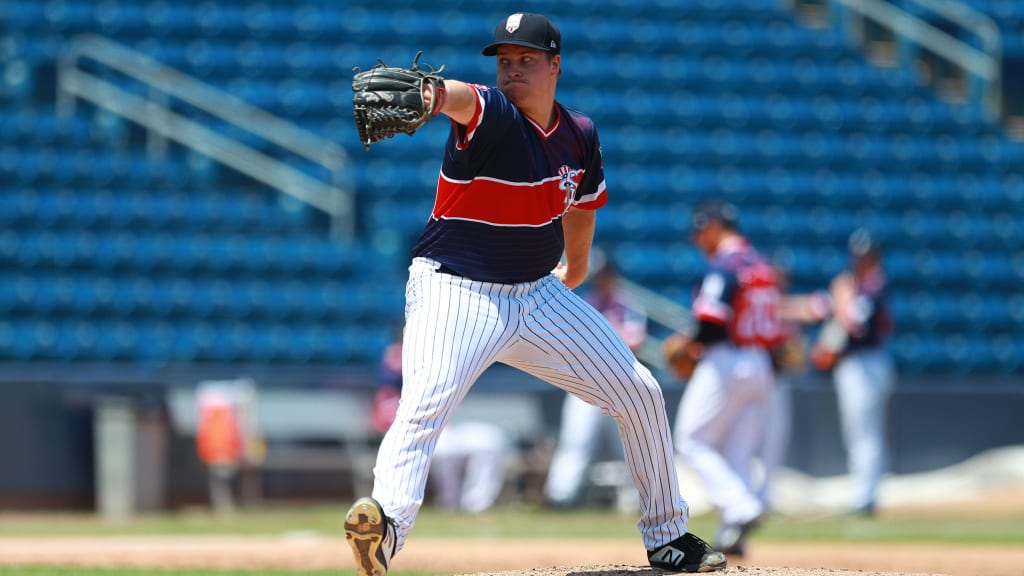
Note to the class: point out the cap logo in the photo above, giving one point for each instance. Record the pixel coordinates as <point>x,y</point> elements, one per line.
<point>512,24</point>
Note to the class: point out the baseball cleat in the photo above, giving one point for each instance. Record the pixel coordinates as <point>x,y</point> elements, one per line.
<point>686,554</point>
<point>371,535</point>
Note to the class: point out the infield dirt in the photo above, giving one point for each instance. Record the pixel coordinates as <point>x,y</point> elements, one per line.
<point>570,557</point>
<point>506,557</point>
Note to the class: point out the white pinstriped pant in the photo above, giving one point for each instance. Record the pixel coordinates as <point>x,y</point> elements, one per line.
<point>456,328</point>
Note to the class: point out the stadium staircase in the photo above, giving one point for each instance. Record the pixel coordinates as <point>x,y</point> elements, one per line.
<point>110,256</point>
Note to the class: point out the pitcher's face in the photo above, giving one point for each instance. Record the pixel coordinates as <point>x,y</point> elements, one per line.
<point>526,75</point>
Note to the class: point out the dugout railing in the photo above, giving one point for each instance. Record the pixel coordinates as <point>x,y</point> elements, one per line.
<point>918,29</point>
<point>149,94</point>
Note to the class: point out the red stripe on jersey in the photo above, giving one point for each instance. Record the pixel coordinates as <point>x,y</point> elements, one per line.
<point>501,203</point>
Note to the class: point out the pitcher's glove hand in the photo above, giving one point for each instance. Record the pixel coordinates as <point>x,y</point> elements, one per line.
<point>388,100</point>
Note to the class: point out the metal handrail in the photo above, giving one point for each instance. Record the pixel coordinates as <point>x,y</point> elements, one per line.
<point>655,307</point>
<point>153,113</point>
<point>983,65</point>
<point>979,23</point>
<point>666,311</point>
<point>661,310</point>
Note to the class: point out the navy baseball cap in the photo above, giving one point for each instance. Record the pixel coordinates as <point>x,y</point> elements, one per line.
<point>710,211</point>
<point>525,29</point>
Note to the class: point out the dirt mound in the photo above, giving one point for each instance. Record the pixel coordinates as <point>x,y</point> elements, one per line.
<point>643,571</point>
<point>507,557</point>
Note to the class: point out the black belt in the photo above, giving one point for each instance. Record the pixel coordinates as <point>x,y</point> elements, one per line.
<point>444,269</point>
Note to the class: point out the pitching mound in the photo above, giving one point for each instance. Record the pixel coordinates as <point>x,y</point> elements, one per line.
<point>643,571</point>
<point>507,557</point>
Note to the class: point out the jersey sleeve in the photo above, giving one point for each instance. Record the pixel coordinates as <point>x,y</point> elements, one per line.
<point>713,301</point>
<point>592,193</point>
<point>493,110</point>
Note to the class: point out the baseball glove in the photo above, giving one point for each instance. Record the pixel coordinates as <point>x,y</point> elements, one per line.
<point>830,345</point>
<point>389,99</point>
<point>681,355</point>
<point>790,356</point>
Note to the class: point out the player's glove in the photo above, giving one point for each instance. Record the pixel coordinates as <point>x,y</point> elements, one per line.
<point>790,357</point>
<point>681,355</point>
<point>388,100</point>
<point>830,345</point>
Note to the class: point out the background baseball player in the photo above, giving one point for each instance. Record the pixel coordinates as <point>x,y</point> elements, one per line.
<point>851,343</point>
<point>719,424</point>
<point>521,179</point>
<point>789,359</point>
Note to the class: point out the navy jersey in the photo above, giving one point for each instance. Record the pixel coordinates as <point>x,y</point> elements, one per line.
<point>741,292</point>
<point>505,184</point>
<point>868,321</point>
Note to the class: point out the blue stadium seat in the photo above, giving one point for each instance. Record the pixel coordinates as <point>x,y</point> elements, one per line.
<point>114,250</point>
<point>639,261</point>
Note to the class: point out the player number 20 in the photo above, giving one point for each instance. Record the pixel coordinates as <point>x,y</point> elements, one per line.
<point>759,319</point>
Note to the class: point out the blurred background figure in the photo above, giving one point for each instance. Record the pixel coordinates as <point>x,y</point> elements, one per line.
<point>720,422</point>
<point>856,325</point>
<point>219,444</point>
<point>789,359</point>
<point>584,429</point>
<point>467,471</point>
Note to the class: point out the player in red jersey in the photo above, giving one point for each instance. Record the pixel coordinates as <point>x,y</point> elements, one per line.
<point>719,422</point>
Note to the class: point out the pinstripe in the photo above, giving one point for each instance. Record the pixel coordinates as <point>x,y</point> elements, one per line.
<point>575,348</point>
<point>456,328</point>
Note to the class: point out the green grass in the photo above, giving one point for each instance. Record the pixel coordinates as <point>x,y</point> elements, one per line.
<point>325,520</point>
<point>590,525</point>
<point>520,522</point>
<point>505,522</point>
<point>931,529</point>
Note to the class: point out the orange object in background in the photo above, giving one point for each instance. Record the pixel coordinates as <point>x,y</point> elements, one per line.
<point>219,436</point>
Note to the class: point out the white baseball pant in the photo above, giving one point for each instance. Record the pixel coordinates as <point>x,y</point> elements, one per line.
<point>864,381</point>
<point>456,328</point>
<point>719,425</point>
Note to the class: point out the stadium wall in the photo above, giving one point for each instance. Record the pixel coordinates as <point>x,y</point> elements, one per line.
<point>48,454</point>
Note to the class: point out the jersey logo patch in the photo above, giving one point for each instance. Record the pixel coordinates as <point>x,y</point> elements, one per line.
<point>568,183</point>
